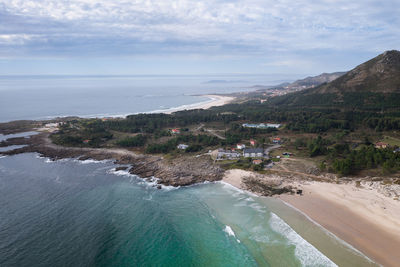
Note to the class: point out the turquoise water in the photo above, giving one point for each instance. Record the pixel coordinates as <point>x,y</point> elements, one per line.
<point>71,213</point>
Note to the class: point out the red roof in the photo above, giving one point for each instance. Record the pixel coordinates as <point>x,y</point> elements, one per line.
<point>381,144</point>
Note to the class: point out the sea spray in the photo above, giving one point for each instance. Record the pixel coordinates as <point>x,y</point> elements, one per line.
<point>230,232</point>
<point>304,251</point>
<point>148,182</point>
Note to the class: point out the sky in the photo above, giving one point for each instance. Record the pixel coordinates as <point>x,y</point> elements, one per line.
<point>119,37</point>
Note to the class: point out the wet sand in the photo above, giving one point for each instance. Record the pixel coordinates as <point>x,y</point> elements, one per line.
<point>361,216</point>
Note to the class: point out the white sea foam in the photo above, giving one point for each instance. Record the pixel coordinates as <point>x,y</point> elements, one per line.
<point>258,207</point>
<point>353,249</point>
<point>1,157</point>
<point>148,182</point>
<point>122,173</point>
<point>91,161</point>
<point>230,232</point>
<point>304,251</point>
<point>229,186</point>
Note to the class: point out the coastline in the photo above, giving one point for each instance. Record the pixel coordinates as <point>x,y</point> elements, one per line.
<point>214,101</point>
<point>361,216</point>
<point>366,221</point>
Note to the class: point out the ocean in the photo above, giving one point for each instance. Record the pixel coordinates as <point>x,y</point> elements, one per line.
<point>44,97</point>
<point>85,213</point>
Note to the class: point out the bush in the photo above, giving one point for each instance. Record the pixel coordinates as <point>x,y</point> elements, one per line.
<point>135,141</point>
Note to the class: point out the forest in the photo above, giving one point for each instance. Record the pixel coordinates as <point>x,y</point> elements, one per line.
<point>348,113</point>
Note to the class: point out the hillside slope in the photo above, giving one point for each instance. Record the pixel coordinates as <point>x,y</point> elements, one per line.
<point>374,85</point>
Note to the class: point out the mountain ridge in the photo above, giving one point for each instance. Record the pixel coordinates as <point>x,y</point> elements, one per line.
<point>379,74</point>
<point>374,84</point>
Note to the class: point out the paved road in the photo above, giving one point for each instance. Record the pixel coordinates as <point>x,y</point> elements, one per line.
<point>268,149</point>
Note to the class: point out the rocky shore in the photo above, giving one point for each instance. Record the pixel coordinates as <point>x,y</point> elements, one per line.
<point>181,171</point>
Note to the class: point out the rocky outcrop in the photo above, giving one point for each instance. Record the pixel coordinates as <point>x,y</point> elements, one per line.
<point>266,186</point>
<point>182,171</point>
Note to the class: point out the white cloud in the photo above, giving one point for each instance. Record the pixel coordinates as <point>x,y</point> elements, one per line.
<point>255,26</point>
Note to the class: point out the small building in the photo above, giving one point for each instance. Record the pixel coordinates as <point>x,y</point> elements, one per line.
<point>182,146</point>
<point>276,140</point>
<point>176,131</point>
<point>397,150</point>
<point>253,142</point>
<point>381,145</point>
<point>240,146</point>
<point>253,152</point>
<point>227,154</point>
<point>257,161</point>
<point>86,141</point>
<point>261,125</point>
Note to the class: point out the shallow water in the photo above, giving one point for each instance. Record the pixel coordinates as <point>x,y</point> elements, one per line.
<point>71,213</point>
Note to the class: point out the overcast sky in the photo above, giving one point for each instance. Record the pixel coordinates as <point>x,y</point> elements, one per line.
<point>193,37</point>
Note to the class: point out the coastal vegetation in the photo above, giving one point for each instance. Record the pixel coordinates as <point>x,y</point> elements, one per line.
<point>337,125</point>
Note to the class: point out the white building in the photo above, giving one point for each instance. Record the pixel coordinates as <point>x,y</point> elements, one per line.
<point>253,152</point>
<point>182,146</point>
<point>240,146</point>
<point>227,154</point>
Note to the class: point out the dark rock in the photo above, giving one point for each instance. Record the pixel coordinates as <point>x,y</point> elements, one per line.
<point>122,168</point>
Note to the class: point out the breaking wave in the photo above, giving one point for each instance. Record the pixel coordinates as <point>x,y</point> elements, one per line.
<point>304,251</point>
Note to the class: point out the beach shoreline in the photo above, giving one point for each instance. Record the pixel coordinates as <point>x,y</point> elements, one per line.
<point>361,216</point>
<point>214,101</point>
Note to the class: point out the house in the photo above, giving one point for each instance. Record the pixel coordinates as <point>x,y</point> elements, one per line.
<point>86,141</point>
<point>182,146</point>
<point>252,142</point>
<point>257,161</point>
<point>253,152</point>
<point>397,150</point>
<point>381,145</point>
<point>176,131</point>
<point>277,140</point>
<point>240,146</point>
<point>227,154</point>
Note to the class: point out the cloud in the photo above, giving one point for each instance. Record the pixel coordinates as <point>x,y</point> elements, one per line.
<point>241,28</point>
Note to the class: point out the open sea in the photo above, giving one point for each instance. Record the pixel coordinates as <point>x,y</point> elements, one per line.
<point>84,213</point>
<point>43,97</point>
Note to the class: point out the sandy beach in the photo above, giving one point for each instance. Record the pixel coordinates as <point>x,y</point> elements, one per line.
<point>362,216</point>
<point>215,100</point>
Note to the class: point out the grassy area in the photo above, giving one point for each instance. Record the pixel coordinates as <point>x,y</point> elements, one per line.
<point>392,141</point>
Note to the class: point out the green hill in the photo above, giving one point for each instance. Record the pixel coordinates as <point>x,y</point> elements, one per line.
<point>373,85</point>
